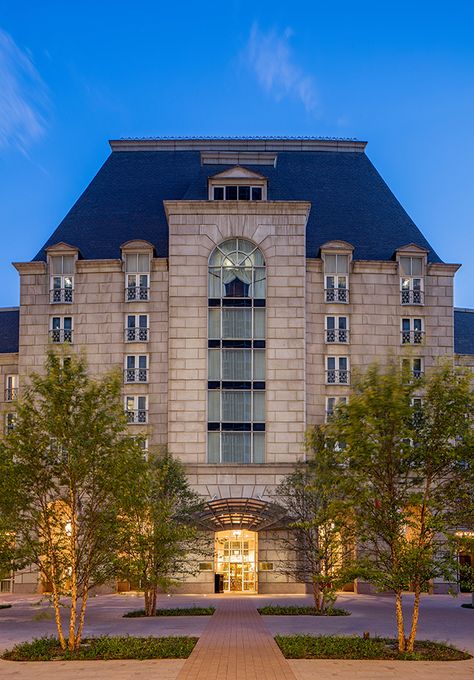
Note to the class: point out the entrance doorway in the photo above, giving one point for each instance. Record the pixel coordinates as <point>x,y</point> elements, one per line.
<point>235,560</point>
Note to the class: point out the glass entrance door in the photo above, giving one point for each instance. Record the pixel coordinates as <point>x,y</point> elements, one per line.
<point>236,560</point>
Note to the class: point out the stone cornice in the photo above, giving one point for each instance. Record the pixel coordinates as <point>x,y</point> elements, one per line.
<point>238,144</point>
<point>36,267</point>
<point>442,268</point>
<point>269,208</point>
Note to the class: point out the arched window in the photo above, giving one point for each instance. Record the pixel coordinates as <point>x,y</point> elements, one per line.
<point>236,341</point>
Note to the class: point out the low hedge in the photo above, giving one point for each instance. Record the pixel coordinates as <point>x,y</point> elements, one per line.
<point>338,647</point>
<point>176,611</point>
<point>104,648</point>
<point>294,610</point>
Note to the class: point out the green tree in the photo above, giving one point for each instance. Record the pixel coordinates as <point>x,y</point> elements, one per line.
<point>409,462</point>
<point>319,544</point>
<point>63,469</point>
<point>159,538</point>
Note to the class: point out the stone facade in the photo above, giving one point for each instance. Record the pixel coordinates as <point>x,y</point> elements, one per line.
<point>176,344</point>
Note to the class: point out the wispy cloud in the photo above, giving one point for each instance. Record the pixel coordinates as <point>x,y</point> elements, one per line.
<point>23,97</point>
<point>271,58</point>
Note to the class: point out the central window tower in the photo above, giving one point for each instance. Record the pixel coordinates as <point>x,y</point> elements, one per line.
<point>236,363</point>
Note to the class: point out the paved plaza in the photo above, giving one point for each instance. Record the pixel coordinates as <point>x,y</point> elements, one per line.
<point>238,643</point>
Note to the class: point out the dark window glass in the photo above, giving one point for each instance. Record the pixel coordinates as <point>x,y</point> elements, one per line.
<point>231,193</point>
<point>256,193</point>
<point>244,193</point>
<point>237,288</point>
<point>218,193</point>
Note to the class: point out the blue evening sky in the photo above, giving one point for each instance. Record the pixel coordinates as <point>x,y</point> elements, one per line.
<point>398,74</point>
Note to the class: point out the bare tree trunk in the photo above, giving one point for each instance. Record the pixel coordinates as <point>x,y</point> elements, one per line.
<point>400,624</point>
<point>317,595</point>
<point>73,566</point>
<point>82,614</point>
<point>414,620</point>
<point>72,618</point>
<point>57,615</point>
<point>150,601</point>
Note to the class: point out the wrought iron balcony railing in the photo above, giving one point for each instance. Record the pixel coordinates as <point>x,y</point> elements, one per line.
<point>137,293</point>
<point>61,295</point>
<point>337,294</point>
<point>337,377</point>
<point>134,375</point>
<point>136,334</point>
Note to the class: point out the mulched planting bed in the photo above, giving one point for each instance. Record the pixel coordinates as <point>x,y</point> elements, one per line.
<point>293,610</point>
<point>177,611</point>
<point>103,648</point>
<point>336,647</point>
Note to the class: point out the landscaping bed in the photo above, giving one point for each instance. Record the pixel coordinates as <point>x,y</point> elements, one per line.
<point>104,648</point>
<point>294,610</point>
<point>176,611</point>
<point>337,647</point>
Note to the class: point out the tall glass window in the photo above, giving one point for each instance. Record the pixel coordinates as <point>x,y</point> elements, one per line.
<point>236,364</point>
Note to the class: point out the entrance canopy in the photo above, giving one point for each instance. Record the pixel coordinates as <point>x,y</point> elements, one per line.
<point>241,513</point>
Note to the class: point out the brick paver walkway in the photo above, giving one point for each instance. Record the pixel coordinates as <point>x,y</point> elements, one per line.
<point>236,646</point>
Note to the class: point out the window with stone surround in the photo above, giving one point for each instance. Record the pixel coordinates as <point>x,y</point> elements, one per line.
<point>61,269</point>
<point>136,368</point>
<point>411,280</point>
<point>137,277</point>
<point>61,329</point>
<point>412,331</point>
<point>336,329</point>
<point>137,328</point>
<point>337,370</point>
<point>11,387</point>
<point>336,277</point>
<point>331,404</point>
<point>236,354</point>
<point>136,409</point>
<point>415,366</point>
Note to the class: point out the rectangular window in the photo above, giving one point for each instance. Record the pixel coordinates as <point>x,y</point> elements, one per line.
<point>62,278</point>
<point>10,419</point>
<point>61,329</point>
<point>337,329</point>
<point>266,566</point>
<point>336,270</point>
<point>414,366</point>
<point>136,368</point>
<point>136,409</point>
<point>137,328</point>
<point>411,280</point>
<point>337,370</point>
<point>331,404</point>
<point>242,192</point>
<point>412,331</point>
<point>137,277</point>
<point>11,387</point>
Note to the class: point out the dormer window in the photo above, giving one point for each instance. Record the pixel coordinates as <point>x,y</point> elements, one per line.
<point>238,184</point>
<point>336,271</point>
<point>411,280</point>
<point>137,277</point>
<point>61,278</point>
<point>237,193</point>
